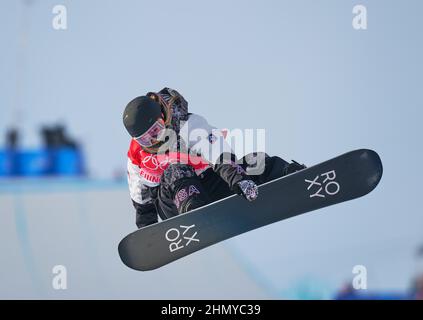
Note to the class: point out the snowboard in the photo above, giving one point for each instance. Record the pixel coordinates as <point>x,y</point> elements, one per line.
<point>346,177</point>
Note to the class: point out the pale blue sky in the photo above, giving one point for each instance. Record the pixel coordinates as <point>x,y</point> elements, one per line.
<point>296,68</point>
<point>291,67</point>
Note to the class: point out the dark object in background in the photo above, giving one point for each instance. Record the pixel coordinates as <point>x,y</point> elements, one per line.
<point>12,138</point>
<point>418,288</point>
<point>8,155</point>
<point>417,284</point>
<point>56,137</point>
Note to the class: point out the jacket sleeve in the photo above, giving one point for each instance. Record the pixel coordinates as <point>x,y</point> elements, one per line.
<point>210,143</point>
<point>145,211</point>
<point>145,214</point>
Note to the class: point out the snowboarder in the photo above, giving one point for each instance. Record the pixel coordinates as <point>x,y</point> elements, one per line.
<point>170,174</point>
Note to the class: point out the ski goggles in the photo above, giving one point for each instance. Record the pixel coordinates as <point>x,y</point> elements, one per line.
<point>149,138</point>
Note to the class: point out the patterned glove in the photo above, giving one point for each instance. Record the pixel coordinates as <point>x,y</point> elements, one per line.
<point>248,189</point>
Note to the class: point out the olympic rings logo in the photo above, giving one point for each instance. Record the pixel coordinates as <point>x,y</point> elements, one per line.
<point>152,163</point>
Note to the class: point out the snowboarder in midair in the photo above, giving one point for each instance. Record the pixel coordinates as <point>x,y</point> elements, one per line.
<point>170,174</point>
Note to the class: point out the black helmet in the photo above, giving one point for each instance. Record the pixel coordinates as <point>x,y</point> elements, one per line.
<point>140,114</point>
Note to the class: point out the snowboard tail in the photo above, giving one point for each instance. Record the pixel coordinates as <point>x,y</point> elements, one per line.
<point>346,177</point>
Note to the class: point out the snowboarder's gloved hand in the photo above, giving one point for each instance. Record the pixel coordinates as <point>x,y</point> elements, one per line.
<point>248,189</point>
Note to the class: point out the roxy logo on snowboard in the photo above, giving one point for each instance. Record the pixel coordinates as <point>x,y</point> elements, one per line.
<point>323,185</point>
<point>181,237</point>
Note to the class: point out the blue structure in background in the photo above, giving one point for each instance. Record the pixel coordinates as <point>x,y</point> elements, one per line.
<point>64,161</point>
<point>60,156</point>
<point>32,163</point>
<point>6,163</point>
<point>68,162</point>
